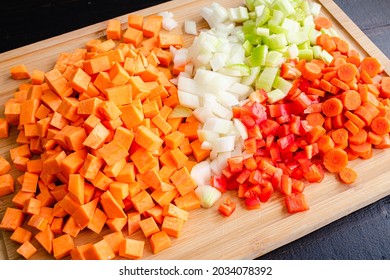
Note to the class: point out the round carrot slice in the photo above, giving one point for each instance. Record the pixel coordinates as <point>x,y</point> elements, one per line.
<point>335,160</point>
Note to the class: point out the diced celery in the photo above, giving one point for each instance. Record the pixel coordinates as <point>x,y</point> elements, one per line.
<point>248,27</point>
<point>315,8</point>
<point>277,41</point>
<point>282,84</point>
<point>317,51</point>
<point>252,15</point>
<point>333,32</point>
<point>290,25</point>
<point>314,33</point>
<point>266,78</point>
<point>248,47</point>
<point>250,4</point>
<point>263,15</point>
<point>238,14</point>
<point>258,56</point>
<point>308,21</point>
<point>275,28</point>
<point>298,38</point>
<point>306,54</point>
<point>299,15</point>
<point>292,51</point>
<point>262,31</point>
<point>253,39</point>
<point>274,59</point>
<point>306,8</point>
<point>304,46</point>
<point>326,57</point>
<point>284,6</point>
<point>275,95</point>
<point>277,18</point>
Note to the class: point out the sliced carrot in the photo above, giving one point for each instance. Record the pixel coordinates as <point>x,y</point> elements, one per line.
<point>335,160</point>
<point>322,22</point>
<point>371,65</point>
<point>348,175</point>
<point>380,125</point>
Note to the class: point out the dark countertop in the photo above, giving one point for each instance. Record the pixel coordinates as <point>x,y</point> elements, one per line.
<point>364,234</point>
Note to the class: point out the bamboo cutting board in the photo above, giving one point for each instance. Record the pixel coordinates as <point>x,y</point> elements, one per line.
<point>207,234</point>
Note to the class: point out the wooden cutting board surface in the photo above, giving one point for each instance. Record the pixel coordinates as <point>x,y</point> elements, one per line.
<point>208,235</point>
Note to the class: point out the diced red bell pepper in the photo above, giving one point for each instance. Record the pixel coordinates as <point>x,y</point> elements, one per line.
<point>248,121</point>
<point>259,96</point>
<point>254,132</point>
<point>219,182</point>
<point>250,145</point>
<point>243,176</point>
<point>286,185</point>
<point>315,174</point>
<point>311,150</point>
<point>286,141</point>
<point>254,190</point>
<point>250,163</point>
<point>275,153</point>
<point>255,177</point>
<point>236,164</point>
<point>266,191</point>
<point>278,110</point>
<point>227,207</point>
<point>297,173</point>
<point>296,202</point>
<point>297,185</point>
<point>252,203</point>
<point>269,127</point>
<point>301,102</point>
<point>259,111</point>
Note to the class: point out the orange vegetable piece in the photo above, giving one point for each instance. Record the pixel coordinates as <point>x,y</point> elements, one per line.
<point>131,249</point>
<point>62,246</point>
<point>27,250</point>
<point>347,175</point>
<point>322,22</point>
<point>21,235</point>
<point>114,30</point>
<point>4,128</point>
<point>371,65</point>
<point>335,160</point>
<point>20,72</point>
<point>160,241</point>
<point>332,107</point>
<point>100,250</point>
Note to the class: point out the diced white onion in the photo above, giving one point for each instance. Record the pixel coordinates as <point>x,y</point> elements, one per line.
<point>207,195</point>
<point>190,27</point>
<point>201,173</point>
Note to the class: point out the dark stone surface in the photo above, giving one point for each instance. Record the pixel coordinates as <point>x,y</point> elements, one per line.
<point>364,234</point>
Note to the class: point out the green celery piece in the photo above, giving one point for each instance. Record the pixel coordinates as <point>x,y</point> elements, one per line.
<point>258,56</point>
<point>266,78</point>
<point>250,4</point>
<point>317,52</point>
<point>249,27</point>
<point>253,39</point>
<point>262,18</point>
<point>284,6</point>
<point>275,95</point>
<point>277,41</point>
<point>282,84</point>
<point>306,54</point>
<point>277,18</point>
<point>274,59</point>
<point>298,38</point>
<point>248,47</point>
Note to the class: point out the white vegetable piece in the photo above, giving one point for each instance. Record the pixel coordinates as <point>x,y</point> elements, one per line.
<point>207,195</point>
<point>201,173</point>
<point>190,27</point>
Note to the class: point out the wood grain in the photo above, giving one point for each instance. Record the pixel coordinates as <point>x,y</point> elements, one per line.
<point>208,235</point>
